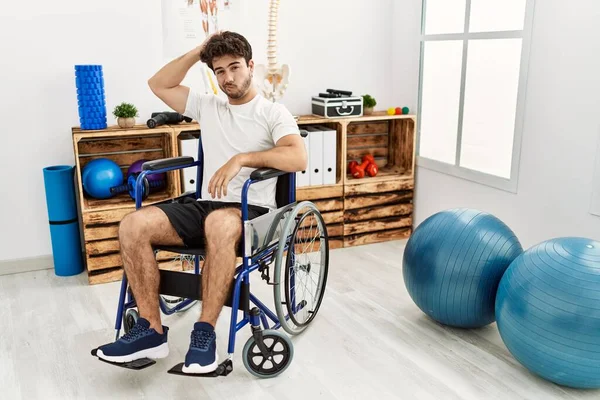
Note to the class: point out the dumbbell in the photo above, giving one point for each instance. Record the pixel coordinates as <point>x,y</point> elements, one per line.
<point>151,183</point>
<point>368,166</point>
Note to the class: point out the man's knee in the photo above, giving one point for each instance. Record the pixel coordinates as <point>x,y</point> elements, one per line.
<point>225,224</point>
<point>140,224</point>
<point>132,226</point>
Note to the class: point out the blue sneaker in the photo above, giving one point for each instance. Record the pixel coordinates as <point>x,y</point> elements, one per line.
<point>201,357</point>
<point>141,341</point>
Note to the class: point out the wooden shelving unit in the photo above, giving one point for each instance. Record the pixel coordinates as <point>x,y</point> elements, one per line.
<point>370,209</point>
<point>356,211</point>
<point>100,218</point>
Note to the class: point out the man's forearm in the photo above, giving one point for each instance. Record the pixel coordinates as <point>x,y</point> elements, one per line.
<point>174,72</point>
<point>284,158</point>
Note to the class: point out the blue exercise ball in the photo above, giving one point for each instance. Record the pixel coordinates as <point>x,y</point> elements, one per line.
<point>99,175</point>
<point>453,263</point>
<point>548,311</point>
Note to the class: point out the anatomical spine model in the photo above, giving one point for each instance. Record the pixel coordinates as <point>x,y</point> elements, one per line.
<point>273,78</point>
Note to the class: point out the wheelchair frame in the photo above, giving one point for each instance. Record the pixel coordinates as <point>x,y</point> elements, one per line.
<point>172,281</point>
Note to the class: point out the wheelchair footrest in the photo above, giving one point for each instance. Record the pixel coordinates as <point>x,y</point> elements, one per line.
<point>135,364</point>
<point>222,370</point>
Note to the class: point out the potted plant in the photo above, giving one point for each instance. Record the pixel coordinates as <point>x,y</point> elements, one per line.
<point>368,103</point>
<point>125,114</point>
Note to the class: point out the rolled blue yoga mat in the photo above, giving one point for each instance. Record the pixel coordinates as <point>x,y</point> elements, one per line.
<point>62,217</point>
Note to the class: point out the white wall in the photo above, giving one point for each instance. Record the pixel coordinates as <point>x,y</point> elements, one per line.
<point>42,41</point>
<point>560,136</point>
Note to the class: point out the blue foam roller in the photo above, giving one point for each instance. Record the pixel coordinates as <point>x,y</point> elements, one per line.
<point>89,81</point>
<point>88,67</point>
<point>62,217</point>
<point>66,249</point>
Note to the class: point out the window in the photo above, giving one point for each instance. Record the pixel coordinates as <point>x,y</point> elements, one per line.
<point>474,57</point>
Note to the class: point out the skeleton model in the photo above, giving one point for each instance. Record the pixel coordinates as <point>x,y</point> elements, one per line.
<point>273,78</point>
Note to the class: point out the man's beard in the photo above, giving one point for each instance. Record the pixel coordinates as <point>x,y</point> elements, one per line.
<point>239,93</point>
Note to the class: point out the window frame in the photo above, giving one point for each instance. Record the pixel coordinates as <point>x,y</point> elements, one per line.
<point>510,184</point>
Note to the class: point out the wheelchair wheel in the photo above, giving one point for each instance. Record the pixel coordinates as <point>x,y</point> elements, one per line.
<point>129,319</point>
<point>301,268</point>
<point>268,367</point>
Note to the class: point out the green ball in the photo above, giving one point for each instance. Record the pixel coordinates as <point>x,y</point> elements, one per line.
<point>405,110</point>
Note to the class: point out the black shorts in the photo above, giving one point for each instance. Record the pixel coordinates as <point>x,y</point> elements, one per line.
<point>188,217</point>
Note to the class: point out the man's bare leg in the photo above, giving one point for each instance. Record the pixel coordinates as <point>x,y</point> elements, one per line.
<point>138,231</point>
<point>223,230</point>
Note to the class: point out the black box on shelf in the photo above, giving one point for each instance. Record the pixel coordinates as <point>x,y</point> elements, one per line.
<point>337,104</point>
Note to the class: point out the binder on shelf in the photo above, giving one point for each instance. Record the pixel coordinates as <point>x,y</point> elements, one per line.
<point>329,154</point>
<point>303,177</point>
<point>189,147</point>
<point>315,155</point>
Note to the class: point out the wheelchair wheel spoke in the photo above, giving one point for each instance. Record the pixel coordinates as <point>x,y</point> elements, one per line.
<point>301,268</point>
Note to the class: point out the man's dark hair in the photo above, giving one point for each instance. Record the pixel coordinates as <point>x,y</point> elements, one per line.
<point>226,43</point>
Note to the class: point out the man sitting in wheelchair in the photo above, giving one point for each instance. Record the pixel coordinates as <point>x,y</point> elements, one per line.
<point>239,135</point>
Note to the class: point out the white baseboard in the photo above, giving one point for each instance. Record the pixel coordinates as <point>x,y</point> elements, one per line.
<point>19,265</point>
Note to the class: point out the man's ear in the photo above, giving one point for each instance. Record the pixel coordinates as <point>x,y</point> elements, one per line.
<point>251,65</point>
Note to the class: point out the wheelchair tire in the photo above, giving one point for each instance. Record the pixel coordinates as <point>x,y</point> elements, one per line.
<point>129,319</point>
<point>283,305</point>
<point>262,367</point>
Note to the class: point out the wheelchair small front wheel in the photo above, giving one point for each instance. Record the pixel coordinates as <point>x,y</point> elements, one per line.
<point>281,353</point>
<point>301,268</point>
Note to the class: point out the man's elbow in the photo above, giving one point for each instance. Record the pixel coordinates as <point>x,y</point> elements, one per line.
<point>152,85</point>
<point>302,161</point>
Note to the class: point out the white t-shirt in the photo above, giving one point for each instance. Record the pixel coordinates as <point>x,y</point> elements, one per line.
<point>227,130</point>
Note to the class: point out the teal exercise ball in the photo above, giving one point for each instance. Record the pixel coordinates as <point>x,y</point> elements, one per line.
<point>453,263</point>
<point>99,175</point>
<point>548,311</point>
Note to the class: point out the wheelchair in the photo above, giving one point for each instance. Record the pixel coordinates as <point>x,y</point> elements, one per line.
<point>288,246</point>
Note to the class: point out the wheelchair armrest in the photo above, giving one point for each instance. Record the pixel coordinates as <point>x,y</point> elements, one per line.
<point>262,174</point>
<point>167,163</point>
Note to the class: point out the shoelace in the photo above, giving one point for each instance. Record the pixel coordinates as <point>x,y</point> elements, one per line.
<point>201,339</point>
<point>134,333</point>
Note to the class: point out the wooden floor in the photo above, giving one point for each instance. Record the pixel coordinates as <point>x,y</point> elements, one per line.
<point>368,341</point>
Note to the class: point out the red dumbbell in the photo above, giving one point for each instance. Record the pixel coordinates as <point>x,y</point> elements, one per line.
<point>351,165</point>
<point>358,171</point>
<point>372,169</point>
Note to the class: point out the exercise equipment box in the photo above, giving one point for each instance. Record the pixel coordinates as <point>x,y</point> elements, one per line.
<point>337,107</point>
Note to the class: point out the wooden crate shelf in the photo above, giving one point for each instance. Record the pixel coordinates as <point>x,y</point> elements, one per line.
<point>100,218</point>
<point>329,201</point>
<point>355,211</point>
<point>124,147</point>
<point>376,208</point>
